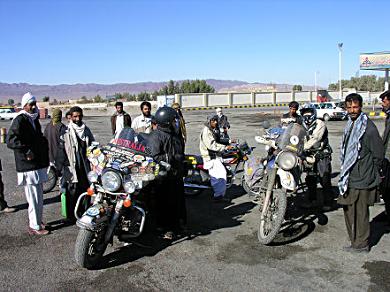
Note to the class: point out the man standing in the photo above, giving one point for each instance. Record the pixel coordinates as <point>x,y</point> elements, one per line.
<point>211,152</point>
<point>31,159</point>
<point>361,157</point>
<point>52,132</point>
<point>166,146</point>
<point>317,145</point>
<point>72,157</point>
<point>222,120</point>
<point>120,119</point>
<point>293,112</point>
<point>143,123</point>
<point>180,124</point>
<point>3,204</point>
<point>385,185</point>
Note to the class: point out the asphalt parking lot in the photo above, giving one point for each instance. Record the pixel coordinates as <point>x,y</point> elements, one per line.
<point>221,251</point>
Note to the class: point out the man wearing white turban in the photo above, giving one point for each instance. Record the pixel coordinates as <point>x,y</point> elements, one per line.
<point>31,159</point>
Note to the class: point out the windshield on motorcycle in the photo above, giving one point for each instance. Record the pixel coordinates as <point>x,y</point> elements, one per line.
<point>292,138</point>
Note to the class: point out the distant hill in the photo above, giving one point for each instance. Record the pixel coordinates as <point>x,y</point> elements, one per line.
<point>72,91</point>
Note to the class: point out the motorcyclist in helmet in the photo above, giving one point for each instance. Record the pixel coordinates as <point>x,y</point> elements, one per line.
<point>293,113</point>
<point>166,146</point>
<point>317,146</point>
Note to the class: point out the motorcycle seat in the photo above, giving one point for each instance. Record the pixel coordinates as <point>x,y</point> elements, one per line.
<point>193,159</point>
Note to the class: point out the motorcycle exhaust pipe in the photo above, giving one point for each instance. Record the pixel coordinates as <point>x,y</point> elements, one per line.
<point>194,186</point>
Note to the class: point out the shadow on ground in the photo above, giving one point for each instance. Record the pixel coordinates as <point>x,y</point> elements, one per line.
<point>204,216</point>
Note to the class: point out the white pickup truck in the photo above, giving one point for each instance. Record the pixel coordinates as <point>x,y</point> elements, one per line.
<point>7,113</point>
<point>328,110</point>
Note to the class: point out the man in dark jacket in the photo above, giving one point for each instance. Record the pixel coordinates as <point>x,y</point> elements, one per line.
<point>361,157</point>
<point>385,185</point>
<point>166,146</point>
<point>52,132</point>
<point>31,159</point>
<point>120,119</point>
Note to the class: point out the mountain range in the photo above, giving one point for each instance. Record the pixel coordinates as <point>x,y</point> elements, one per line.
<point>75,91</point>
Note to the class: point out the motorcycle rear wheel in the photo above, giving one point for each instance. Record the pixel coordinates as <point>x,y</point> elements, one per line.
<point>86,253</point>
<point>252,192</point>
<point>273,217</point>
<point>49,185</point>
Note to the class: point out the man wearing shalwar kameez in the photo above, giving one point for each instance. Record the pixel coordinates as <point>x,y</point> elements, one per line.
<point>31,159</point>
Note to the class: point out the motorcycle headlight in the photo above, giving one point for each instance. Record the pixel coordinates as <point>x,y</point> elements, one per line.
<point>111,181</point>
<point>129,187</point>
<point>92,177</point>
<point>286,160</point>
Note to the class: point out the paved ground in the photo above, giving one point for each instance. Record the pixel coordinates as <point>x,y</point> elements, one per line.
<point>221,253</point>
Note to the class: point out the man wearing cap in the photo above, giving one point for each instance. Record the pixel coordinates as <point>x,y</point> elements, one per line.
<point>31,159</point>
<point>223,126</point>
<point>211,152</point>
<point>120,119</point>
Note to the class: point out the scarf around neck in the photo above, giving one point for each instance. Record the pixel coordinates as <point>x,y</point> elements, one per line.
<point>78,130</point>
<point>349,150</point>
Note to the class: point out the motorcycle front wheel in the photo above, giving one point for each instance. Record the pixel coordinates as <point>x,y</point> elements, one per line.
<point>89,248</point>
<point>273,217</point>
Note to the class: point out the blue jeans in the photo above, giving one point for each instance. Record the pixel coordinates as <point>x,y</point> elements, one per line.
<point>219,186</point>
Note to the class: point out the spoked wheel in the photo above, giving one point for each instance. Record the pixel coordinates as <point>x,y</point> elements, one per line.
<point>271,220</point>
<point>51,182</point>
<point>253,191</point>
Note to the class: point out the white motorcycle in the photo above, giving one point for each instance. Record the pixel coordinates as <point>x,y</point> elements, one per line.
<point>275,177</point>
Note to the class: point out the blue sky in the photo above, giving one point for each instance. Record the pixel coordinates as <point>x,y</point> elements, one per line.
<point>69,41</point>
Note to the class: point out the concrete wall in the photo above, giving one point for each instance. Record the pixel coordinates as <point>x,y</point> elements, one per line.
<point>264,97</point>
<point>218,99</point>
<point>241,98</point>
<point>283,97</point>
<point>192,100</point>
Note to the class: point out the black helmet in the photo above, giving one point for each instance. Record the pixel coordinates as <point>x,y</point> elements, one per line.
<point>309,115</point>
<point>165,116</point>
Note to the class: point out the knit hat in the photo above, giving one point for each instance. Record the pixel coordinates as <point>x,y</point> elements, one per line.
<point>57,116</point>
<point>28,97</point>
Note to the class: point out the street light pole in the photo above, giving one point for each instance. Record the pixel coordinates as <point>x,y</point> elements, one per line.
<point>340,46</point>
<point>315,81</point>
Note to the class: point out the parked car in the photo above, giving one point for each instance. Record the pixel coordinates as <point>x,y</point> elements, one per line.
<point>7,113</point>
<point>328,110</point>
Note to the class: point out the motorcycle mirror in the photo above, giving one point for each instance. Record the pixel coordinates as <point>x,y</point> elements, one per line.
<point>265,124</point>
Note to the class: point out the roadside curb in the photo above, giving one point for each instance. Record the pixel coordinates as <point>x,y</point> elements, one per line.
<point>377,114</point>
<point>234,106</point>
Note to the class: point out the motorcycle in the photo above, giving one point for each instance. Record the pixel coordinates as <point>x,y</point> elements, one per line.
<point>197,178</point>
<point>278,176</point>
<point>52,179</point>
<point>120,173</point>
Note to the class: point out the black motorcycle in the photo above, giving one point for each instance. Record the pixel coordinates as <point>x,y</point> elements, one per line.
<point>121,172</point>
